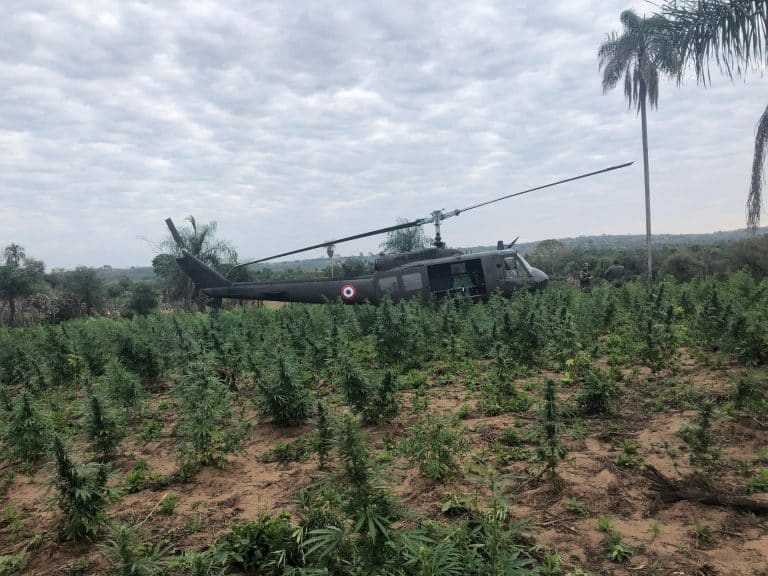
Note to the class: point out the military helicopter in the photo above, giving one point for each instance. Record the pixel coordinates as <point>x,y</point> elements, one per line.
<point>436,272</point>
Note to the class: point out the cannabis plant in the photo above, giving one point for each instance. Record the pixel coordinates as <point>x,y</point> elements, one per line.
<point>81,494</point>
<point>27,431</point>
<point>435,446</point>
<point>103,427</point>
<point>206,427</point>
<point>324,435</point>
<point>284,396</point>
<point>123,385</point>
<point>550,449</point>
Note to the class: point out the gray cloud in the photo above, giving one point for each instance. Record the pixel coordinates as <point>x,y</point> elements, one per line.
<point>290,123</point>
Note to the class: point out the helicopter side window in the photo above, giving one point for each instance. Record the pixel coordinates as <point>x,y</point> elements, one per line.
<point>412,282</point>
<point>510,263</point>
<point>388,284</point>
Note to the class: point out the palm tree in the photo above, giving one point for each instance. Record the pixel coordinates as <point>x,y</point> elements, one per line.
<point>14,254</point>
<point>201,242</point>
<point>733,34</point>
<point>638,54</point>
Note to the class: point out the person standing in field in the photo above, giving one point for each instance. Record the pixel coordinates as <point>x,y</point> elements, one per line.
<point>615,274</point>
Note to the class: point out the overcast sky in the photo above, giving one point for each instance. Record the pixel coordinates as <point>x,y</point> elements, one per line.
<point>290,123</point>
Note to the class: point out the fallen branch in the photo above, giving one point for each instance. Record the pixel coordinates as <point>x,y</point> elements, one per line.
<point>670,491</point>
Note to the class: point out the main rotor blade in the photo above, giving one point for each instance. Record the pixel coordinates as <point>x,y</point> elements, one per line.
<point>411,224</point>
<point>547,186</point>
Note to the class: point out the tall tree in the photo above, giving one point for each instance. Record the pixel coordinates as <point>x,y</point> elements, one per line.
<point>734,35</point>
<point>87,286</point>
<point>405,240</point>
<point>14,254</point>
<point>20,277</point>
<point>639,54</point>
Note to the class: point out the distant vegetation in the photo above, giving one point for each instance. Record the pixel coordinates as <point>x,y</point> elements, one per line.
<point>30,295</point>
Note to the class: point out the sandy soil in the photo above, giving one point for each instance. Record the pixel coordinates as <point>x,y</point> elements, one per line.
<point>683,538</point>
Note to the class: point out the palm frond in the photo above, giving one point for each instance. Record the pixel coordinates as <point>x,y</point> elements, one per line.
<point>754,200</point>
<point>732,34</point>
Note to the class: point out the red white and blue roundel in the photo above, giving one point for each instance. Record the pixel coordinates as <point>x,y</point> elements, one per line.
<point>348,292</point>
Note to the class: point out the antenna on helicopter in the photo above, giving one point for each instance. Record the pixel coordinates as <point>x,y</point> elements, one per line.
<point>436,217</point>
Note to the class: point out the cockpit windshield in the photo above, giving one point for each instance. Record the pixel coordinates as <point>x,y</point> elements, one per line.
<point>517,263</point>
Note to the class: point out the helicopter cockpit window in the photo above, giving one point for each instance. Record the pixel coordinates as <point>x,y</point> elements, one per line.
<point>388,284</point>
<point>510,263</point>
<point>412,282</point>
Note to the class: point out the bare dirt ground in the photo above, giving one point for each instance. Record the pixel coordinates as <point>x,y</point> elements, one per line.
<point>683,538</point>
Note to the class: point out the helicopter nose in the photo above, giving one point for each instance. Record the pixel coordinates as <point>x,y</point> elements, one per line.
<point>540,278</point>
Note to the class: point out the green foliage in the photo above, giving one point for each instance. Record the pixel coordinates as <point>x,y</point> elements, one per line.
<point>323,435</point>
<point>129,555</point>
<point>597,392</point>
<point>169,503</point>
<point>206,426</point>
<point>123,385</point>
<point>143,299</point>
<point>698,437</point>
<point>383,404</point>
<point>759,482</point>
<point>13,564</point>
<point>103,427</point>
<point>434,445</point>
<point>283,396</point>
<point>27,431</point>
<point>81,494</point>
<point>550,449</point>
<point>263,546</point>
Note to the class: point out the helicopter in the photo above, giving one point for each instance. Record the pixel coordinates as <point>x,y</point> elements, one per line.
<point>435,272</point>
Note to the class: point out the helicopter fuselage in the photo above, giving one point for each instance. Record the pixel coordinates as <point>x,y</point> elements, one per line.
<point>475,276</point>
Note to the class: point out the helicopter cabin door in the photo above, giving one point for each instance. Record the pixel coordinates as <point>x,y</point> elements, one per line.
<point>463,278</point>
<point>405,284</point>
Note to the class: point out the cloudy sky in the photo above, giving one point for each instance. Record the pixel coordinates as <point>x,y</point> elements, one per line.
<point>291,123</point>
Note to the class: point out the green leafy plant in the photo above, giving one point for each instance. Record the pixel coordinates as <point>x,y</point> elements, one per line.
<point>435,446</point>
<point>263,546</point>
<point>207,429</point>
<point>550,448</point>
<point>283,396</point>
<point>123,385</point>
<point>323,435</point>
<point>103,427</point>
<point>27,431</point>
<point>82,494</point>
<point>129,555</point>
<point>169,503</point>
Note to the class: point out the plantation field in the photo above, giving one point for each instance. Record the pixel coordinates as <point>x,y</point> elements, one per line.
<point>523,436</point>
